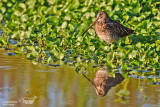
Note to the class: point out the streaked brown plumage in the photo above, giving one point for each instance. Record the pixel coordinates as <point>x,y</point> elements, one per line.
<point>109,30</point>
<point>103,82</point>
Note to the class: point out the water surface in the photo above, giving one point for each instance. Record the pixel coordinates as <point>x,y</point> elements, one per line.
<point>62,86</point>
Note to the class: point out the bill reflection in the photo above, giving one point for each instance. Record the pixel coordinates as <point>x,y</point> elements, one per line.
<point>103,82</point>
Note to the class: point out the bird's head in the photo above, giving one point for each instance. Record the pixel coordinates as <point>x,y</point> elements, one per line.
<point>102,16</point>
<point>101,91</point>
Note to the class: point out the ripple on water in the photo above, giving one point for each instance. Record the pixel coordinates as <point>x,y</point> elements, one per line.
<point>5,67</point>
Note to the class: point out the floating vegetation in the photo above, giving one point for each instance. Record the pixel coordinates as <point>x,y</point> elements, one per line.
<point>48,31</point>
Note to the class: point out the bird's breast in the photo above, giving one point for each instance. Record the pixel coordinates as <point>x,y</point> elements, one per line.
<point>103,33</point>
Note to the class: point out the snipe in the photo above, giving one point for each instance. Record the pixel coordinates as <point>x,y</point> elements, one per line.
<point>108,29</point>
<point>103,82</point>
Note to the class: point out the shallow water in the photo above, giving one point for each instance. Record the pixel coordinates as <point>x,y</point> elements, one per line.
<point>61,86</point>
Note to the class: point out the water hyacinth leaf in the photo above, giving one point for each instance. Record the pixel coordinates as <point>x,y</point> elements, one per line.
<point>132,54</point>
<point>149,25</point>
<point>135,63</point>
<point>157,31</point>
<point>3,41</point>
<point>124,68</point>
<point>142,58</point>
<point>1,17</point>
<point>93,14</point>
<point>156,23</point>
<point>88,2</point>
<point>84,9</point>
<point>43,20</point>
<point>56,53</point>
<point>158,48</point>
<point>128,41</point>
<point>34,54</point>
<point>22,5</point>
<point>138,44</point>
<point>156,59</point>
<point>80,38</point>
<point>92,48</point>
<point>71,27</point>
<point>34,62</point>
<point>61,56</point>
<point>91,31</point>
<point>87,15</point>
<point>9,4</point>
<point>24,18</point>
<point>49,59</point>
<point>52,51</point>
<point>78,59</point>
<point>143,31</point>
<point>17,13</point>
<point>76,4</point>
<point>31,48</point>
<point>68,17</point>
<point>64,25</point>
<point>3,9</point>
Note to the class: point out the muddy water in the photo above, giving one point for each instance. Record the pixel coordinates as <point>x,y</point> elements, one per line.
<point>23,84</point>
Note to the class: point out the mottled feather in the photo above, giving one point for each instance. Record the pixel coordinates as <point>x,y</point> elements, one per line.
<point>118,29</point>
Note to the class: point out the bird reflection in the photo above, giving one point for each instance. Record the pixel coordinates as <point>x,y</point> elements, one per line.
<point>103,82</point>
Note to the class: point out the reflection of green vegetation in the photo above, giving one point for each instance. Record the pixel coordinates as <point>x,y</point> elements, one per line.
<point>49,30</point>
<point>142,91</point>
<point>123,92</point>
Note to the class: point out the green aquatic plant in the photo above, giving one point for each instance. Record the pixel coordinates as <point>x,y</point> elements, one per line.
<point>50,32</point>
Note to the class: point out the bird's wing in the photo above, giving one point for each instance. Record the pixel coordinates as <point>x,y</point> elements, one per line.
<point>114,81</point>
<point>118,29</point>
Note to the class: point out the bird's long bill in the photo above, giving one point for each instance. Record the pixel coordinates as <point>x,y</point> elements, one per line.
<point>90,25</point>
<point>90,82</point>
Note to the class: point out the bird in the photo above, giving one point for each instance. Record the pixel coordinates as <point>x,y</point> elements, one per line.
<point>103,82</point>
<point>109,30</point>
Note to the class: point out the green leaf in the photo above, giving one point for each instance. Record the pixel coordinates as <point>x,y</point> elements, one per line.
<point>92,48</point>
<point>61,56</point>
<point>9,4</point>
<point>138,44</point>
<point>1,17</point>
<point>24,18</point>
<point>56,53</point>
<point>124,68</point>
<point>78,59</point>
<point>3,9</point>
<point>157,31</point>
<point>34,53</point>
<point>64,25</point>
<point>49,59</point>
<point>80,38</point>
<point>132,54</point>
<point>22,5</point>
<point>31,48</point>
